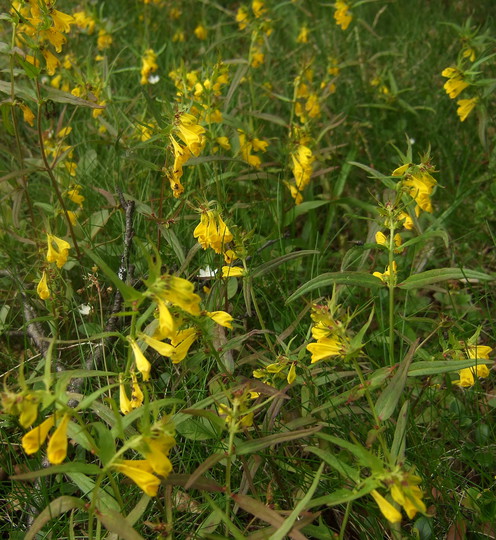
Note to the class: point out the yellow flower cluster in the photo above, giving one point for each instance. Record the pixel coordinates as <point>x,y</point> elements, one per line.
<point>418,183</point>
<point>388,273</point>
<point>24,405</point>
<point>155,448</point>
<point>467,375</point>
<point>173,296</point>
<point>282,369</point>
<point>307,104</point>
<point>342,14</point>
<point>193,136</point>
<point>455,84</point>
<point>249,145</point>
<point>302,160</point>
<point>330,334</point>
<point>42,23</point>
<point>212,231</point>
<point>405,492</point>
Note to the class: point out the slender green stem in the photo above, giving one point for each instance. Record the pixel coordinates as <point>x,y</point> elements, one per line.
<point>49,171</point>
<point>392,285</point>
<point>230,445</point>
<point>345,520</point>
<point>168,512</point>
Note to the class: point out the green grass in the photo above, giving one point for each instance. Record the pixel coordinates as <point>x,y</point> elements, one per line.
<point>354,422</point>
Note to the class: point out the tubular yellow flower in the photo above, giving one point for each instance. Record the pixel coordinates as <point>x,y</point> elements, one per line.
<point>380,238</point>
<point>302,166</point>
<point>221,317</point>
<point>42,288</point>
<point>181,342</point>
<point>61,21</point>
<point>27,114</point>
<point>74,195</point>
<point>104,40</point>
<point>165,349</point>
<point>57,445</point>
<point>467,375</point>
<point>455,83</point>
<point>388,510</point>
<point>33,439</point>
<point>232,271</point>
<point>385,276</point>
<point>124,402</point>
<point>166,322</point>
<point>325,348</point>
<point>156,450</point>
<point>28,409</point>
<point>52,62</point>
<point>142,364</point>
<point>292,374</point>
<point>242,17</point>
<point>303,35</point>
<point>140,472</point>
<point>59,254</point>
<point>465,107</point>
<point>212,231</point>
<point>179,291</point>
<point>192,134</point>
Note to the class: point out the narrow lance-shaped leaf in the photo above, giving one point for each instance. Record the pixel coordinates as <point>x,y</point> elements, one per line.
<point>430,277</point>
<point>54,509</point>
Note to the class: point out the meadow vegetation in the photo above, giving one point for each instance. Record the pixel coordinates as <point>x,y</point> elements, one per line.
<point>247,269</point>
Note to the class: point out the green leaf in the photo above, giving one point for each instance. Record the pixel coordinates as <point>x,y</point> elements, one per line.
<point>88,486</point>
<point>288,523</point>
<point>105,442</point>
<point>54,94</point>
<point>85,468</point>
<point>342,496</point>
<point>197,429</point>
<point>54,509</point>
<point>115,522</point>
<point>364,457</point>
<point>330,458</point>
<point>361,279</point>
<point>387,401</point>
<point>430,277</point>
<point>129,293</point>
<point>439,233</point>
<point>398,446</point>
<point>255,445</point>
<point>271,265</point>
<point>301,209</point>
<point>420,369</point>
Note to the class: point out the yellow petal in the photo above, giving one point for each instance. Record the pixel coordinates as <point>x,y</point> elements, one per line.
<point>42,288</point>
<point>147,481</point>
<point>33,439</point>
<point>57,445</point>
<point>387,509</point>
<point>221,317</point>
<point>142,364</point>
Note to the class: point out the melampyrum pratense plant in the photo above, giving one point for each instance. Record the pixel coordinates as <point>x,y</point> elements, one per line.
<point>185,382</point>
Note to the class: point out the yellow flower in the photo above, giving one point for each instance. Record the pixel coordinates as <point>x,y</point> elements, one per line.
<point>166,322</point>
<point>192,134</point>
<point>148,65</point>
<point>232,271</point>
<point>59,254</point>
<point>52,62</point>
<point>165,349</point>
<point>388,510</point>
<point>104,40</point>
<point>61,21</point>
<point>380,238</point>
<point>407,220</point>
<point>295,192</point>
<point>292,373</point>
<point>33,439</point>
<point>142,364</point>
<point>242,17</point>
<point>74,195</point>
<point>124,401</point>
<point>387,273</point>
<point>140,472</point>
<point>42,288</point>
<point>303,35</point>
<point>465,107</point>
<point>302,160</point>
<point>137,397</point>
<point>223,142</point>
<point>455,83</point>
<point>246,146</point>
<point>342,16</point>
<point>407,494</point>
<point>221,317</point>
<point>179,291</point>
<point>325,348</point>
<point>181,342</point>
<point>181,156</point>
<point>27,114</point>
<point>200,32</point>
<point>420,187</point>
<point>258,7</point>
<point>57,445</point>
<point>156,450</point>
<point>28,409</point>
<point>467,375</point>
<point>212,231</point>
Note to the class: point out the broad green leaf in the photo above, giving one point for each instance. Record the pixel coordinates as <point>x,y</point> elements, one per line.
<point>85,468</point>
<point>386,180</point>
<point>115,522</point>
<point>286,527</point>
<point>105,442</point>
<point>197,429</point>
<point>430,277</point>
<point>59,96</point>
<point>271,265</point>
<point>387,401</point>
<point>255,445</point>
<point>54,509</point>
<point>361,279</point>
<point>420,369</point>
<point>174,243</point>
